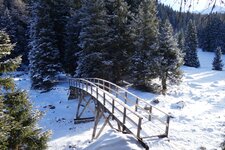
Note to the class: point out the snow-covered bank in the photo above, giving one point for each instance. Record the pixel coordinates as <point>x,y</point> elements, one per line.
<point>197,105</point>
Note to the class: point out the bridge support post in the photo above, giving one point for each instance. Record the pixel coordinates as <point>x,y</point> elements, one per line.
<point>83,103</point>
<point>73,93</point>
<point>100,113</point>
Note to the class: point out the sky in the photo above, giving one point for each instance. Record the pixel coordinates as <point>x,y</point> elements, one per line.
<point>196,5</point>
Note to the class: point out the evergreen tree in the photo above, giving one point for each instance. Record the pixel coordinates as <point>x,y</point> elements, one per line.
<point>8,65</point>
<point>94,41</point>
<point>13,17</point>
<point>24,134</point>
<point>44,54</point>
<point>17,120</point>
<point>121,45</point>
<point>169,58</point>
<point>212,34</point>
<point>59,13</point>
<point>5,84</point>
<point>146,25</point>
<point>73,28</point>
<point>191,57</point>
<point>134,4</point>
<point>206,38</point>
<point>217,62</point>
<point>4,126</point>
<point>181,41</point>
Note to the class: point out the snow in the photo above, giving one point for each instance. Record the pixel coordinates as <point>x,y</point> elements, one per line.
<point>113,140</point>
<point>197,106</point>
<point>216,9</point>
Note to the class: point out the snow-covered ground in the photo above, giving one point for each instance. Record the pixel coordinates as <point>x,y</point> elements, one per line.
<point>197,106</point>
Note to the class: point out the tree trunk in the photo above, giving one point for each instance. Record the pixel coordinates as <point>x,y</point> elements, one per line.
<point>164,86</point>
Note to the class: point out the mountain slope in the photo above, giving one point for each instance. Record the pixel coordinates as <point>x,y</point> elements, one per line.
<point>218,9</point>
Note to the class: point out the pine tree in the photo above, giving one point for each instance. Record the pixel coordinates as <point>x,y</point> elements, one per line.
<point>10,64</point>
<point>59,13</point>
<point>146,25</point>
<point>181,41</point>
<point>5,84</point>
<point>121,45</point>
<point>73,28</point>
<point>94,41</point>
<point>217,62</point>
<point>24,134</point>
<point>169,58</point>
<point>133,5</point>
<point>13,17</point>
<point>44,54</point>
<point>206,38</point>
<point>191,57</point>
<point>4,126</point>
<point>17,120</point>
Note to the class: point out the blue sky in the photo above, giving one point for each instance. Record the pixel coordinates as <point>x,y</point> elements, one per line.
<point>196,5</point>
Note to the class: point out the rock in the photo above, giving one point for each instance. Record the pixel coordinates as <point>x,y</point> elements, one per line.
<point>155,101</point>
<point>202,148</point>
<point>51,107</point>
<point>72,146</point>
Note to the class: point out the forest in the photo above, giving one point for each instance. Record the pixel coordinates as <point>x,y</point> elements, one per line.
<point>57,36</point>
<point>138,41</point>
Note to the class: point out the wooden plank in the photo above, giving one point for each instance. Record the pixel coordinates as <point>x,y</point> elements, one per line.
<point>83,120</point>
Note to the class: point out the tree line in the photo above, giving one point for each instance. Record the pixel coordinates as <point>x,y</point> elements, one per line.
<point>113,40</point>
<point>110,39</point>
<point>76,38</point>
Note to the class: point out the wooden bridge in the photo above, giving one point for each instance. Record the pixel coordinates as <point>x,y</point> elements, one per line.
<point>111,102</point>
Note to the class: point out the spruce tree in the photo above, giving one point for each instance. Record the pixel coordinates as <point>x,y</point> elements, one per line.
<point>191,57</point>
<point>4,126</point>
<point>8,65</point>
<point>94,41</point>
<point>17,120</point>
<point>59,13</point>
<point>146,25</point>
<point>181,41</point>
<point>24,133</point>
<point>217,62</point>
<point>122,39</point>
<point>13,17</point>
<point>44,53</point>
<point>133,5</point>
<point>169,58</point>
<point>5,84</point>
<point>216,31</point>
<point>73,28</point>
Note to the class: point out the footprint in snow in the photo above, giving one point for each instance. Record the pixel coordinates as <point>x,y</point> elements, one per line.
<point>213,85</point>
<point>208,129</point>
<point>189,77</point>
<point>178,105</point>
<point>195,85</point>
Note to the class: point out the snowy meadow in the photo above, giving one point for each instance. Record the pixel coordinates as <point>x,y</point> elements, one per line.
<point>197,107</point>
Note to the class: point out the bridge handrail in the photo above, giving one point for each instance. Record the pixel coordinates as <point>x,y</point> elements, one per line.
<point>122,104</point>
<point>130,94</point>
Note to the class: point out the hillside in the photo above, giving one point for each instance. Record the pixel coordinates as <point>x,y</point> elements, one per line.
<point>216,9</point>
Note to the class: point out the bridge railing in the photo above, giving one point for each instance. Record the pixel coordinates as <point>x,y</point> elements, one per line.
<point>114,106</point>
<point>150,112</point>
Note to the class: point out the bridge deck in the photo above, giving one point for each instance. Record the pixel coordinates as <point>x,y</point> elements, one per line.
<point>134,117</point>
